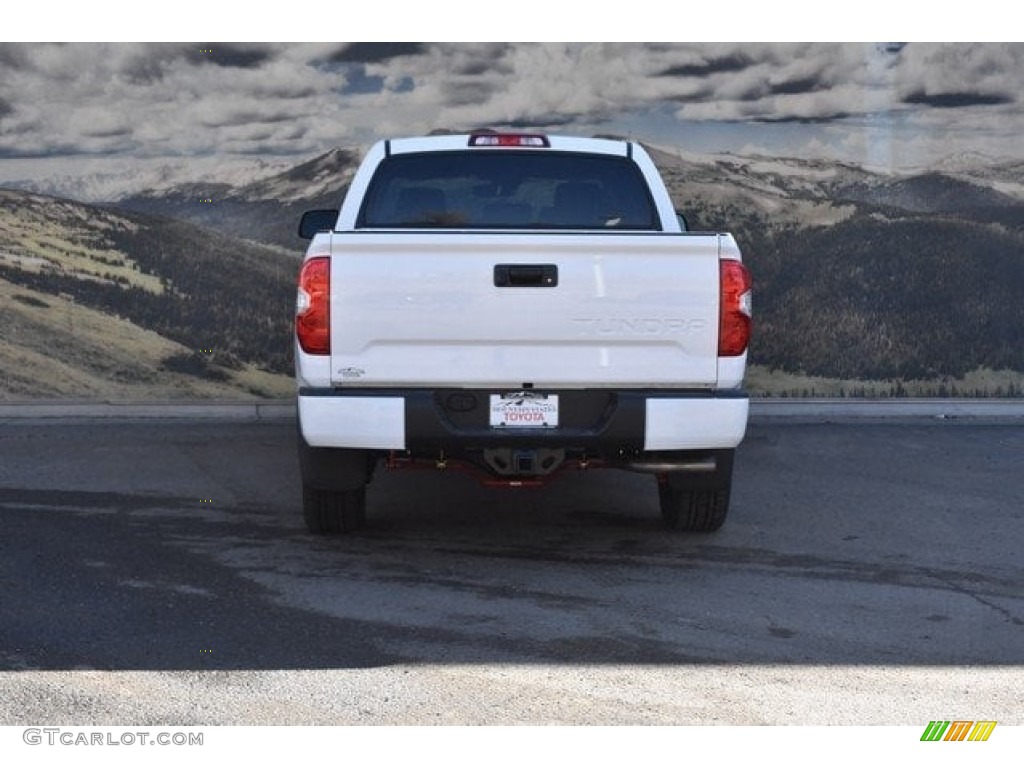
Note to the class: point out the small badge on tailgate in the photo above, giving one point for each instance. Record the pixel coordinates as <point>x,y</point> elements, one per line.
<point>524,409</point>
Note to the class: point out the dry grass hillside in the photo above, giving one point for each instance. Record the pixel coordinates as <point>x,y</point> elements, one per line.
<point>54,348</point>
<point>865,282</point>
<point>82,315</point>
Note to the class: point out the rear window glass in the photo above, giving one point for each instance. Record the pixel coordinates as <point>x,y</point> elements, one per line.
<point>508,190</point>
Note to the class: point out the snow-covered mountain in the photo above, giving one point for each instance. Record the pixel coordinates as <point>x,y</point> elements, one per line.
<point>94,181</point>
<point>717,192</point>
<point>266,209</point>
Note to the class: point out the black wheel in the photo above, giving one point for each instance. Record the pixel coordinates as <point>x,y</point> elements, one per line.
<point>334,487</point>
<point>333,512</point>
<point>693,502</point>
<point>684,510</point>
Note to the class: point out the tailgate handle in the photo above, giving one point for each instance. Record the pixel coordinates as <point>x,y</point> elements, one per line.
<point>525,275</point>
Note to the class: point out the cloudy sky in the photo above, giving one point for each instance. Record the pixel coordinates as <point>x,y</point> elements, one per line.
<point>91,106</point>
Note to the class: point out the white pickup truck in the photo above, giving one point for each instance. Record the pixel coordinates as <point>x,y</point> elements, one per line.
<point>516,305</point>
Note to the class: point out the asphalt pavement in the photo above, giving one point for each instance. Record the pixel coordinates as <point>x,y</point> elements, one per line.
<point>156,570</point>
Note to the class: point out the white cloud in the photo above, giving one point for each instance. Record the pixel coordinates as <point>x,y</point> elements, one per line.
<point>176,100</point>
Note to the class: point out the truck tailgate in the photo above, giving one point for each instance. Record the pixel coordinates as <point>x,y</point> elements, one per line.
<point>472,309</point>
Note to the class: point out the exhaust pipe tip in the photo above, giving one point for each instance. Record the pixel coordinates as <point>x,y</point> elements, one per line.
<point>663,464</point>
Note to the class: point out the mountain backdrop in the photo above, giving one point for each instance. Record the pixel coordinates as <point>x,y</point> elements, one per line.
<point>860,275</point>
<point>865,282</point>
<point>102,303</point>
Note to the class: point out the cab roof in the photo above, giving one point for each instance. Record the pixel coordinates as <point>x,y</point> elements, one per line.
<point>470,142</point>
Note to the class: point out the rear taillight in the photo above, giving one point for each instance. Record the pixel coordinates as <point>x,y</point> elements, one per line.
<point>734,320</point>
<point>313,306</point>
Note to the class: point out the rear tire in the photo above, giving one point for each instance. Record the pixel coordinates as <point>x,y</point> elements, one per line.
<point>334,487</point>
<point>333,512</point>
<point>693,502</point>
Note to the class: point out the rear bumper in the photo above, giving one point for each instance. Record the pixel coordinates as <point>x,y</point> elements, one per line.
<point>595,422</point>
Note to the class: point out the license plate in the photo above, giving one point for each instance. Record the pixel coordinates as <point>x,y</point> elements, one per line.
<point>524,409</point>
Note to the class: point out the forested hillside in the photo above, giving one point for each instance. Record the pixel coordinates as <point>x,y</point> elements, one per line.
<point>864,276</point>
<point>225,305</point>
<point>910,281</point>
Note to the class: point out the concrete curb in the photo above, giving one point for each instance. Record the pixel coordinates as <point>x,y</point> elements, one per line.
<point>262,410</point>
<point>761,410</point>
<point>769,409</point>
